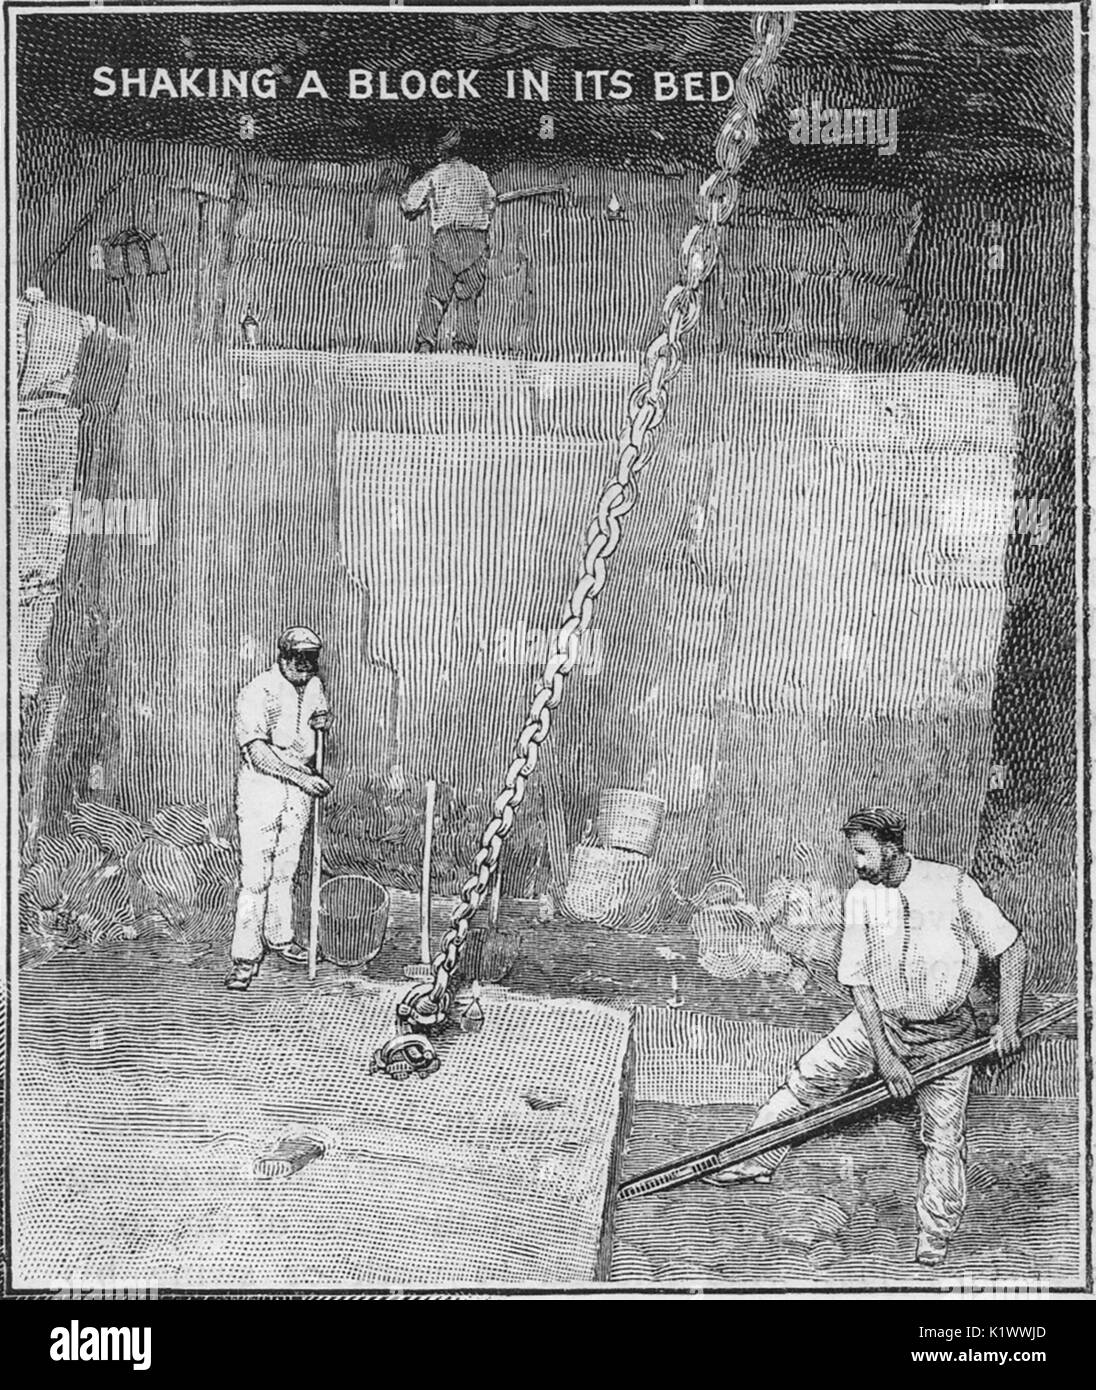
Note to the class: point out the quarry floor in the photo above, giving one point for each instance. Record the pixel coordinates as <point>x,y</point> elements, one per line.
<point>838,1215</point>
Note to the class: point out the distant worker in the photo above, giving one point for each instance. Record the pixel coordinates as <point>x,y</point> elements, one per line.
<point>277,716</point>
<point>462,203</point>
<point>915,933</point>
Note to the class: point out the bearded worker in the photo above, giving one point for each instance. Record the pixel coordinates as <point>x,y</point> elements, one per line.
<point>278,715</point>
<point>915,934</point>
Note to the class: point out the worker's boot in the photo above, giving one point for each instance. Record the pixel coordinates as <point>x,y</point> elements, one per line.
<point>241,974</point>
<point>931,1250</point>
<point>748,1171</point>
<point>296,955</point>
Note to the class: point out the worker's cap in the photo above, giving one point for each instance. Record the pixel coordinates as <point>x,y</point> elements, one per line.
<point>883,822</point>
<point>299,641</point>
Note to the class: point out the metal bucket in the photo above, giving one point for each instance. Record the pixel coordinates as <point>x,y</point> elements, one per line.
<point>353,919</point>
<point>629,820</point>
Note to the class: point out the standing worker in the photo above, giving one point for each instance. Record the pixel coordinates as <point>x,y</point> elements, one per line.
<point>462,203</point>
<point>277,716</point>
<point>914,935</point>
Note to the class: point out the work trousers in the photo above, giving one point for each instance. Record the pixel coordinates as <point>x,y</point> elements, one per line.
<point>458,270</point>
<point>272,817</point>
<point>844,1057</point>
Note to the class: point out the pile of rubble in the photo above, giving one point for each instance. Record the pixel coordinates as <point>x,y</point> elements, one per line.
<point>111,877</point>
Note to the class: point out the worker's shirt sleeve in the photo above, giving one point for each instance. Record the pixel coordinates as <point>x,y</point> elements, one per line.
<point>989,928</point>
<point>852,968</point>
<point>490,197</point>
<point>252,716</point>
<point>417,194</point>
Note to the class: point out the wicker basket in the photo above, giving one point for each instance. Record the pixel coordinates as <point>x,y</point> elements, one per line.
<point>595,887</point>
<point>629,820</point>
<point>640,909</point>
<point>732,944</point>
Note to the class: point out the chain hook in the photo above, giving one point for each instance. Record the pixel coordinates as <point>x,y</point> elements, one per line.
<point>426,1006</point>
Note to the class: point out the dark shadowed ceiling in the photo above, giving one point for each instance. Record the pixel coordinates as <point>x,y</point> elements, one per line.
<point>977,93</point>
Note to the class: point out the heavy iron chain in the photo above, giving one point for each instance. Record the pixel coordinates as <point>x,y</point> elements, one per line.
<point>426,1005</point>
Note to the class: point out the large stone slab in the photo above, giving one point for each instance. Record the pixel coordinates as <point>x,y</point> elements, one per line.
<point>497,1170</point>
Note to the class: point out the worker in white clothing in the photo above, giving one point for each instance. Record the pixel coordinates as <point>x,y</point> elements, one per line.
<point>915,932</point>
<point>277,715</point>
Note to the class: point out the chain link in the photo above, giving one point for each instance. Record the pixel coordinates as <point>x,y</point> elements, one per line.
<point>427,1005</point>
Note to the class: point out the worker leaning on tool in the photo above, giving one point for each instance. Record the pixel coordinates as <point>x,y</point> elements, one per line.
<point>915,932</point>
<point>277,715</point>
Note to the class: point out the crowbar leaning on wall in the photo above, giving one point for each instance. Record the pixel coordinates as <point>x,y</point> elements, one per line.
<point>822,1117</point>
